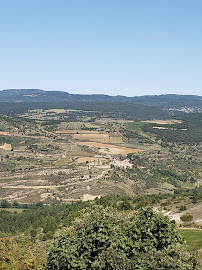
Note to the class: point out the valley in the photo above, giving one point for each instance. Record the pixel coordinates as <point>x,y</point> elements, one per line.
<point>57,160</point>
<point>47,158</point>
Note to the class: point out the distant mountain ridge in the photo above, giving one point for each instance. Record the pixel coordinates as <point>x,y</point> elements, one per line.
<point>187,103</point>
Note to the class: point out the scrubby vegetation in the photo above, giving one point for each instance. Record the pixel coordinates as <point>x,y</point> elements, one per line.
<point>189,131</point>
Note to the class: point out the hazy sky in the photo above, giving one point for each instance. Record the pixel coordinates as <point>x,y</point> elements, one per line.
<point>116,47</point>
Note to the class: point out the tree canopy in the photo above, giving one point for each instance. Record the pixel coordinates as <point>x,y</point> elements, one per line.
<point>105,238</point>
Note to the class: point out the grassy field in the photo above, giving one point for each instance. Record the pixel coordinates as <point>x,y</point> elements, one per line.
<point>193,239</point>
<point>12,210</point>
<point>135,125</point>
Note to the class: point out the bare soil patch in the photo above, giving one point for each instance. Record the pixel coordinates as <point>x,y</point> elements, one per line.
<point>3,133</point>
<point>6,147</point>
<point>88,197</point>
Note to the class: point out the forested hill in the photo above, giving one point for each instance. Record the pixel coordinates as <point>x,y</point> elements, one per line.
<point>187,103</point>
<point>93,109</point>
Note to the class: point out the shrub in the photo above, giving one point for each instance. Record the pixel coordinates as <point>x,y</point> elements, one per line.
<point>183,208</point>
<point>186,218</point>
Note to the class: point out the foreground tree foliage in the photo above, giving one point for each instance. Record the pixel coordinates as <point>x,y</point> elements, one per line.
<point>20,256</point>
<point>104,238</point>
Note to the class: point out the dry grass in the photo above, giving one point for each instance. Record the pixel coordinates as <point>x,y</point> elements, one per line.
<point>63,161</point>
<point>116,139</point>
<point>75,131</point>
<point>94,136</point>
<point>111,120</point>
<point>163,122</point>
<point>89,159</point>
<point>79,154</point>
<point>160,127</point>
<point>104,138</point>
<point>56,110</point>
<point>68,131</point>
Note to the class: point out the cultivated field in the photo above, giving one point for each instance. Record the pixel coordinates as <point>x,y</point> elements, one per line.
<point>69,131</point>
<point>103,138</point>
<point>163,122</point>
<point>110,148</point>
<point>95,160</point>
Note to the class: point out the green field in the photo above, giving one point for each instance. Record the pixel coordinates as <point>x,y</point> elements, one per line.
<point>193,239</point>
<point>135,125</point>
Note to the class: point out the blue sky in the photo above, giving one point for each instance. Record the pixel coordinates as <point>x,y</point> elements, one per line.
<point>116,47</point>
